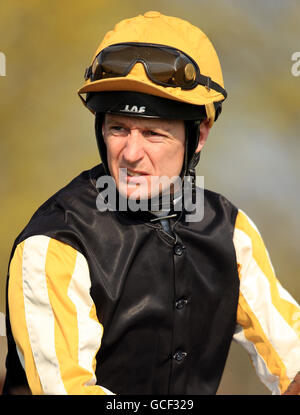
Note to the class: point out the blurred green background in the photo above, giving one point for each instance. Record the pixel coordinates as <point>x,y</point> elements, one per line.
<point>253,152</point>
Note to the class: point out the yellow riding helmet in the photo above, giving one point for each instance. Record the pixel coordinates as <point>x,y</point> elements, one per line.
<point>156,28</point>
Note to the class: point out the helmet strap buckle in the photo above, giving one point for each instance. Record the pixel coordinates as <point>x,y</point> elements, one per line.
<point>208,81</point>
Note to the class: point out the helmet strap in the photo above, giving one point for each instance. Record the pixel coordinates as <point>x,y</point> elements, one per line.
<point>192,174</point>
<point>191,158</point>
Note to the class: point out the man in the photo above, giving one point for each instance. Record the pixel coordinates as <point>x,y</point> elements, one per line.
<point>106,298</point>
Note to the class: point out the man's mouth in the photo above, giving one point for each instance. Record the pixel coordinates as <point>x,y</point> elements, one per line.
<point>133,173</point>
<point>133,177</point>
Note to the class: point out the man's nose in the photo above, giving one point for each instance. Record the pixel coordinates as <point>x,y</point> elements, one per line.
<point>133,150</point>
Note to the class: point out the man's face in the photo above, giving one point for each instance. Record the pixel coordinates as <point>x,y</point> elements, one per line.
<point>146,147</point>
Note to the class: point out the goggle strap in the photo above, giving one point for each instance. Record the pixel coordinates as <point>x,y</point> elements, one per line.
<point>210,84</point>
<point>88,73</point>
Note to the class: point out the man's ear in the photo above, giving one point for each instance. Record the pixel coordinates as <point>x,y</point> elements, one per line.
<point>204,129</point>
<point>103,126</point>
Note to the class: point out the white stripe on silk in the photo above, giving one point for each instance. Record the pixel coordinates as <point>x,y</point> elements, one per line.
<point>255,288</point>
<point>89,331</point>
<point>39,315</point>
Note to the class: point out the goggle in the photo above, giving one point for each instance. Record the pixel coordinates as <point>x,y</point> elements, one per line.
<point>164,65</point>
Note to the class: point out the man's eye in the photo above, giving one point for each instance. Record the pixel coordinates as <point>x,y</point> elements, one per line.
<point>117,129</point>
<point>152,134</point>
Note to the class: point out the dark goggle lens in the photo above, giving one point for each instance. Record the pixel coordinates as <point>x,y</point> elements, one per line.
<point>110,63</point>
<point>163,65</point>
<point>181,73</point>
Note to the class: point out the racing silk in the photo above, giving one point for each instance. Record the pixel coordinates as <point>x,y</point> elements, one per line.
<point>109,302</point>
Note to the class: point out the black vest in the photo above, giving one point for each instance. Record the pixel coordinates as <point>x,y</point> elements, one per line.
<point>168,305</point>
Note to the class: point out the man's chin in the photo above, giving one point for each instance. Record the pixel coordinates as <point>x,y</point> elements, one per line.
<point>140,199</point>
<point>136,193</point>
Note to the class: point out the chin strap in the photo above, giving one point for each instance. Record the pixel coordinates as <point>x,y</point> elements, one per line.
<point>192,174</point>
<point>191,158</point>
